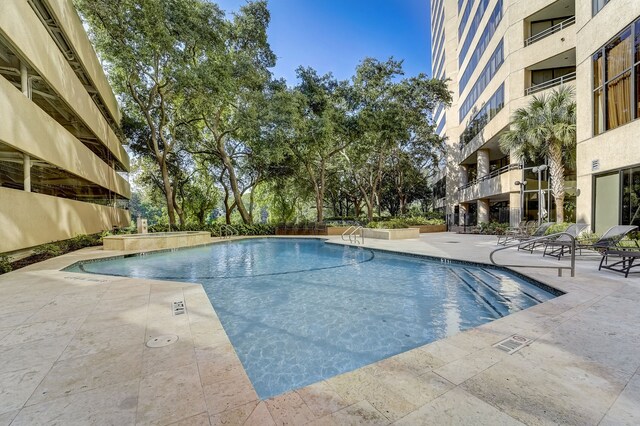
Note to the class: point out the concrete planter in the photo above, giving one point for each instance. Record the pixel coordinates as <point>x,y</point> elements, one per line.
<point>155,241</point>
<point>391,234</point>
<point>336,230</point>
<point>424,229</point>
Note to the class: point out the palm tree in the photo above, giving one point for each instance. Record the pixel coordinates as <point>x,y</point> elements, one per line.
<point>545,128</point>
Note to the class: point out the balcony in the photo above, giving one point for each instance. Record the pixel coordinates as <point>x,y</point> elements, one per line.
<point>497,182</point>
<point>549,31</point>
<point>550,83</point>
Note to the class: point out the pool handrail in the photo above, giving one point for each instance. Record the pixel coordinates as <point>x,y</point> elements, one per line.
<point>355,236</point>
<point>545,237</point>
<point>347,231</point>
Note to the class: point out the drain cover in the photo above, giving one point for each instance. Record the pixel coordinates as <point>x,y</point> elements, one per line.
<point>161,341</point>
<point>513,344</point>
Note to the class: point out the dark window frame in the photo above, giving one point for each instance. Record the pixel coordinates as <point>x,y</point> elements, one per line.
<point>598,127</point>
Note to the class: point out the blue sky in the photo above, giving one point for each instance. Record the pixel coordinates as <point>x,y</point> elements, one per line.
<point>334,35</point>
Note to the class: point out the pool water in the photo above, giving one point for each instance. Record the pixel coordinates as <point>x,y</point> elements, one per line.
<point>299,311</point>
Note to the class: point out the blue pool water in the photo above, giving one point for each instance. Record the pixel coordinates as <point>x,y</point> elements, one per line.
<point>299,311</point>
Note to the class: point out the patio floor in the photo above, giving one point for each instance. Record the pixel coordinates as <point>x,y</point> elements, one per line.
<point>72,351</point>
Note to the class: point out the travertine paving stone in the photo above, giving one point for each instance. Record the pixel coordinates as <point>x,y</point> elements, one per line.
<point>72,351</point>
<point>457,407</point>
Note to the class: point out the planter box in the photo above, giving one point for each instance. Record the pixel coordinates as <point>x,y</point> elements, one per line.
<point>391,234</point>
<point>155,241</point>
<point>336,230</point>
<point>424,229</point>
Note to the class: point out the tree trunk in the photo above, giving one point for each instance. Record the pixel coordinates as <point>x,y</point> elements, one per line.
<point>556,174</point>
<point>233,180</point>
<point>168,191</point>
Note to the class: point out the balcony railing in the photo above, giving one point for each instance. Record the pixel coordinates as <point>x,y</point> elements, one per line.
<point>495,173</point>
<point>546,33</point>
<point>550,83</point>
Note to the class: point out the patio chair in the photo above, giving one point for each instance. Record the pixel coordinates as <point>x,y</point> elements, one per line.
<point>627,258</point>
<point>512,232</point>
<point>539,232</point>
<point>609,239</point>
<point>557,247</point>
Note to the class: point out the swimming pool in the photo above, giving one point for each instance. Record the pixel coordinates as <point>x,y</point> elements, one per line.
<point>298,310</point>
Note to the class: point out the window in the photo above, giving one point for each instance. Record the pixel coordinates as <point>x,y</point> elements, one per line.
<point>482,117</point>
<point>539,26</point>
<point>494,64</point>
<point>615,67</point>
<point>542,76</point>
<point>475,23</point>
<point>465,17</point>
<point>598,4</point>
<point>484,40</point>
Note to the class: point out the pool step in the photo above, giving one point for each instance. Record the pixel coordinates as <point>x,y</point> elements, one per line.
<point>498,301</point>
<point>482,295</point>
<point>528,291</point>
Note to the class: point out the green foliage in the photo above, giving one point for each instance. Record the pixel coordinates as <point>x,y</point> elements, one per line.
<point>82,241</point>
<point>216,228</point>
<point>546,128</point>
<point>48,250</point>
<point>558,227</point>
<point>5,264</point>
<point>492,228</point>
<point>396,223</point>
<point>406,222</point>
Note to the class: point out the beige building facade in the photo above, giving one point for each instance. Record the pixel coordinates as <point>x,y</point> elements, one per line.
<point>500,53</point>
<point>63,169</point>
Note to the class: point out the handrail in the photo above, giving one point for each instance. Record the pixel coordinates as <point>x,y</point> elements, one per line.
<point>495,173</point>
<point>550,83</point>
<point>545,237</point>
<point>355,236</point>
<point>348,230</point>
<point>552,30</point>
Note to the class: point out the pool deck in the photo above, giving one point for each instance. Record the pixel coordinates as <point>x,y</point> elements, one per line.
<point>72,351</point>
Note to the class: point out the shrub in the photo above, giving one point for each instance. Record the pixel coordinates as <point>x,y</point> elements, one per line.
<point>396,223</point>
<point>558,227</point>
<point>492,228</point>
<point>5,264</point>
<point>48,250</point>
<point>82,241</point>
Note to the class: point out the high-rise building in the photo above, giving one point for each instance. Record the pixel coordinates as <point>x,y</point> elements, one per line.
<point>498,54</point>
<point>63,169</point>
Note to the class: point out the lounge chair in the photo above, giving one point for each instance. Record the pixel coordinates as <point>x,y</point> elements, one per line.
<point>523,230</point>
<point>512,232</point>
<point>627,258</point>
<point>609,239</point>
<point>539,232</point>
<point>562,244</point>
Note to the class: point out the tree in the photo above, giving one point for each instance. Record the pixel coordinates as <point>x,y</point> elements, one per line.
<point>545,128</point>
<point>227,95</point>
<point>393,122</point>
<point>150,47</point>
<point>320,126</point>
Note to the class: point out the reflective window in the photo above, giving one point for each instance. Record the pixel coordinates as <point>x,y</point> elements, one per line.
<point>598,4</point>
<point>496,58</point>
<point>464,18</point>
<point>482,117</point>
<point>473,28</point>
<point>615,102</point>
<point>483,42</point>
<point>484,78</point>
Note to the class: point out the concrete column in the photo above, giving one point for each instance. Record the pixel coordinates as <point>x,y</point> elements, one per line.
<point>27,172</point>
<point>464,174</point>
<point>515,209</point>
<point>462,210</point>
<point>483,210</point>
<point>24,80</point>
<point>483,162</point>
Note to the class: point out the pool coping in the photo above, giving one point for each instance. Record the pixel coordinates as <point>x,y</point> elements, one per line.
<point>448,367</point>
